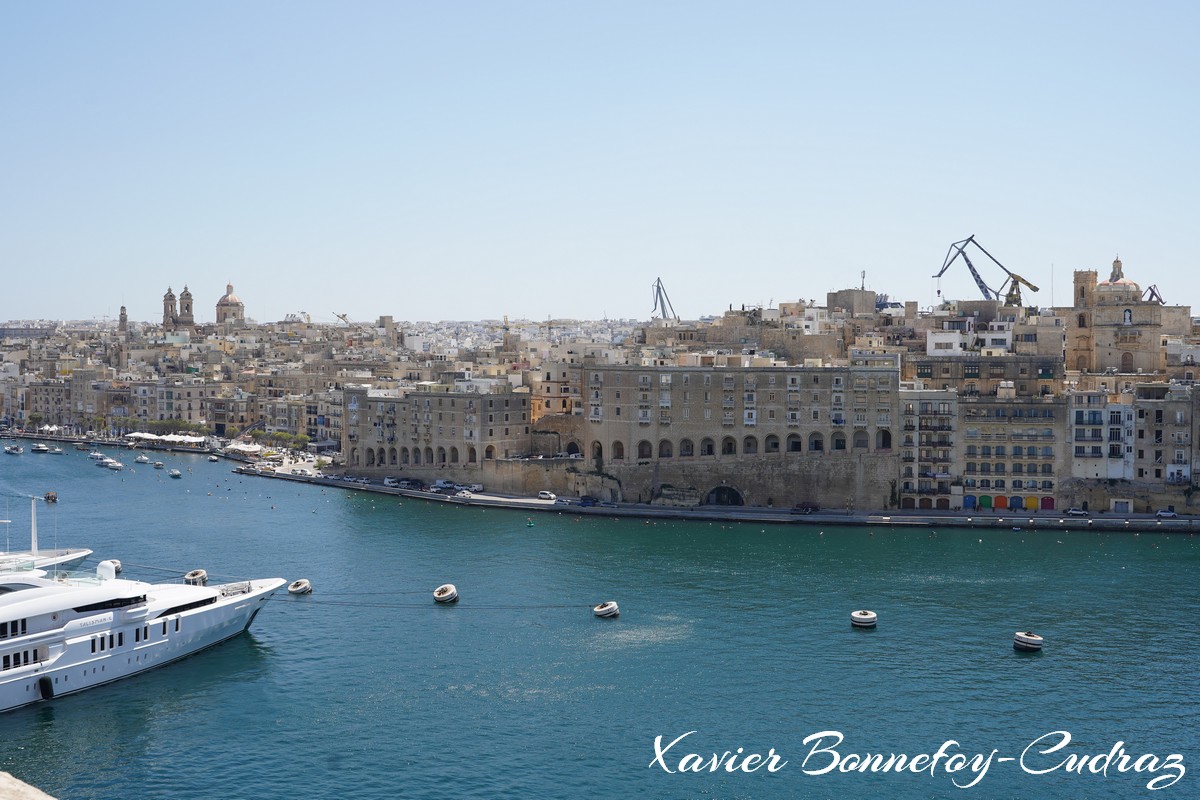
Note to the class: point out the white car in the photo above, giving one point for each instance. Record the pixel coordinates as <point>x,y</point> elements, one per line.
<point>1076,512</point>
<point>464,494</point>
<point>1166,514</point>
<point>544,495</point>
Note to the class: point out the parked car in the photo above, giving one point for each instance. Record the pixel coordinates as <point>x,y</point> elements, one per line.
<point>587,501</point>
<point>1077,512</point>
<point>391,482</point>
<point>475,487</point>
<point>805,508</point>
<point>544,495</point>
<point>464,494</point>
<point>1165,513</point>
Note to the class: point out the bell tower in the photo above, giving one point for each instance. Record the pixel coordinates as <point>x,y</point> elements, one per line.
<point>186,320</point>
<point>170,314</point>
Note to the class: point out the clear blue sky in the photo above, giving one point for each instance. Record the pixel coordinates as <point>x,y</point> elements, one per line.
<point>468,160</point>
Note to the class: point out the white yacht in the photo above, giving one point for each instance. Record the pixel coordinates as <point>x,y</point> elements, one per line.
<point>40,447</point>
<point>35,557</point>
<point>142,459</point>
<point>14,449</point>
<point>62,636</point>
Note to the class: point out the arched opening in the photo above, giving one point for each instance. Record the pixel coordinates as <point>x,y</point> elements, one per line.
<point>416,456</point>
<point>968,502</point>
<point>472,455</point>
<point>489,452</point>
<point>618,451</point>
<point>1031,504</point>
<point>794,443</point>
<point>862,440</point>
<point>686,448</point>
<point>354,456</point>
<point>392,456</point>
<point>771,444</point>
<point>724,496</point>
<point>598,454</point>
<point>908,502</point>
<point>985,501</point>
<point>381,457</point>
<point>883,440</point>
<point>664,449</point>
<point>1081,363</point>
<point>925,502</point>
<point>1000,502</point>
<point>749,446</point>
<point>441,455</point>
<point>428,455</point>
<point>837,442</point>
<point>404,455</point>
<point>1126,362</point>
<point>706,447</point>
<point>644,450</point>
<point>943,503</point>
<point>729,446</point>
<point>1047,504</point>
<point>572,449</point>
<point>816,443</point>
<point>453,455</point>
<point>370,457</point>
<point>1082,321</point>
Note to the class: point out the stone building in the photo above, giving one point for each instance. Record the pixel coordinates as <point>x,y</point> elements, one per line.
<point>230,309</point>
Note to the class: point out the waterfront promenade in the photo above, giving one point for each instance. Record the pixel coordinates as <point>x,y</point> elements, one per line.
<point>998,520</point>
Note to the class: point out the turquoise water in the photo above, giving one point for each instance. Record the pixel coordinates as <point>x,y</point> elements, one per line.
<point>740,633</point>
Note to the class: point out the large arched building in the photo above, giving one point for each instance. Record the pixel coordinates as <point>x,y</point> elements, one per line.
<point>1113,327</point>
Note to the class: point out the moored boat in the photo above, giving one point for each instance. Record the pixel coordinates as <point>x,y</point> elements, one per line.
<point>175,473</point>
<point>36,557</point>
<point>14,449</point>
<point>70,634</point>
<point>40,447</point>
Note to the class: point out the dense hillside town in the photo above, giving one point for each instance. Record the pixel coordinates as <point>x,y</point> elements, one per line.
<point>856,403</point>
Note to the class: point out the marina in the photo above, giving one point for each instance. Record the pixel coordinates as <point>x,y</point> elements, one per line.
<point>737,630</point>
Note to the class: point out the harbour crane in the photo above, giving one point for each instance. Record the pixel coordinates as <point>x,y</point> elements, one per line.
<point>662,303</point>
<point>1010,289</point>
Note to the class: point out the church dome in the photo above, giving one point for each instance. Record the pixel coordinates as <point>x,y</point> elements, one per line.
<point>230,299</point>
<point>1118,285</point>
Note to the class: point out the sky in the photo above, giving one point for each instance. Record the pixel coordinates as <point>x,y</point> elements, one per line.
<point>470,160</point>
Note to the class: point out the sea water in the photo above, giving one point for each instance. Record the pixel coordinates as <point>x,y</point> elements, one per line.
<point>732,671</point>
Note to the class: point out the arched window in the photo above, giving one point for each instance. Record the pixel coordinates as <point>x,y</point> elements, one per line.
<point>404,455</point>
<point>644,450</point>
<point>771,445</point>
<point>707,448</point>
<point>837,442</point>
<point>729,446</point>
<point>1126,362</point>
<point>686,448</point>
<point>794,443</point>
<point>862,440</point>
<point>453,455</point>
<point>618,451</point>
<point>816,443</point>
<point>1082,321</point>
<point>664,449</point>
<point>471,455</point>
<point>749,446</point>
<point>441,455</point>
<point>370,457</point>
<point>883,440</point>
<point>489,452</point>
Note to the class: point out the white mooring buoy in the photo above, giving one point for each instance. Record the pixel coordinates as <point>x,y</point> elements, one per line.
<point>864,619</point>
<point>300,586</point>
<point>1027,641</point>
<point>607,610</point>
<point>446,593</point>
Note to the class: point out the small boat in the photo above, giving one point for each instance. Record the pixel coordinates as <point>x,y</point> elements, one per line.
<point>174,473</point>
<point>96,455</point>
<point>159,465</point>
<point>300,586</point>
<point>82,446</point>
<point>40,447</point>
<point>56,451</point>
<point>50,497</point>
<point>114,465</point>
<point>607,610</point>
<point>14,449</point>
<point>142,459</point>
<point>213,459</point>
